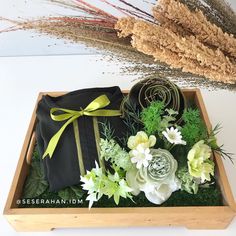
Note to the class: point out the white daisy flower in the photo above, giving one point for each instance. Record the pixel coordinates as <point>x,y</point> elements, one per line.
<point>173,136</point>
<point>140,156</point>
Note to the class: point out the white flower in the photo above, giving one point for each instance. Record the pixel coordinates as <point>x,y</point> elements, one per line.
<point>89,179</point>
<point>157,180</point>
<point>160,194</point>
<point>173,136</point>
<point>99,183</point>
<point>92,198</point>
<point>97,170</point>
<point>140,156</point>
<point>88,184</point>
<point>91,184</point>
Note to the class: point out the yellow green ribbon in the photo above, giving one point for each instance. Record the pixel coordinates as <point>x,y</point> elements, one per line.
<point>93,109</point>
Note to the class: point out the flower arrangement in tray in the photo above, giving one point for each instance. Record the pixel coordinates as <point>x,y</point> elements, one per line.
<point>163,157</point>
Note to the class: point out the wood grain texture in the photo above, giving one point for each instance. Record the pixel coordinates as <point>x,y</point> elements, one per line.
<point>189,217</point>
<point>45,219</point>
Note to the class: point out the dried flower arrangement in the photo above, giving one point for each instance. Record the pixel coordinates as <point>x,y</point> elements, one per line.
<point>186,53</point>
<point>185,40</point>
<point>189,36</point>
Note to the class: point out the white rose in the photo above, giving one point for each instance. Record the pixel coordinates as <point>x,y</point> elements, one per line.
<point>158,179</point>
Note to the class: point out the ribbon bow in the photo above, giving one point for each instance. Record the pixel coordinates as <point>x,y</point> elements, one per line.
<point>93,109</point>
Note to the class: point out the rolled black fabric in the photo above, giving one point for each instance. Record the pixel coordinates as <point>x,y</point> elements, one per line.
<point>64,168</point>
<point>148,90</point>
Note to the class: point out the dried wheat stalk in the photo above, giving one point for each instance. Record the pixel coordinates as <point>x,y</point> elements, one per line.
<point>186,53</point>
<point>196,23</point>
<point>217,12</point>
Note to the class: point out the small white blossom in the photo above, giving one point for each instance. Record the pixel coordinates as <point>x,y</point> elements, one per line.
<point>98,170</point>
<point>140,156</point>
<point>173,136</point>
<point>92,198</point>
<point>88,184</point>
<point>99,183</point>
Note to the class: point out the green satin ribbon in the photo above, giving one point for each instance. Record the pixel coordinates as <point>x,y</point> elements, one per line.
<point>93,109</point>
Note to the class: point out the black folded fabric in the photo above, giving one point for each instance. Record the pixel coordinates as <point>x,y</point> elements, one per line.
<point>64,168</point>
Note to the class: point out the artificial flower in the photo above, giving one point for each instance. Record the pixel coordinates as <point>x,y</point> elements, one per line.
<point>140,156</point>
<point>188,183</point>
<point>89,184</point>
<point>111,151</point>
<point>158,179</point>
<point>99,183</point>
<point>116,187</point>
<point>173,135</point>
<point>92,184</point>
<point>92,198</point>
<point>199,163</point>
<point>141,139</point>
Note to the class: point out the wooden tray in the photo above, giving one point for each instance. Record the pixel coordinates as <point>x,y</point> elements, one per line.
<point>45,219</point>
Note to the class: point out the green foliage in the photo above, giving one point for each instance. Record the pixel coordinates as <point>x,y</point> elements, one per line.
<point>194,128</point>
<point>130,109</point>
<point>151,117</point>
<point>36,154</point>
<point>73,192</point>
<point>107,130</point>
<point>156,119</point>
<point>118,157</point>
<point>35,183</point>
<point>212,142</point>
<point>132,126</point>
<point>168,119</point>
<point>188,183</point>
<point>131,118</point>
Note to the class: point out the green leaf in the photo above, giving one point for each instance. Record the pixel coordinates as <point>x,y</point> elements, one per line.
<point>35,183</point>
<point>72,192</point>
<point>78,191</point>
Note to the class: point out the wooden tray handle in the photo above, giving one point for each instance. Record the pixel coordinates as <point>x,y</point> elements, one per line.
<point>30,148</point>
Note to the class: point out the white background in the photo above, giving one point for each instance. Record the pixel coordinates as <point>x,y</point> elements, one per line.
<point>19,43</point>
<point>22,78</point>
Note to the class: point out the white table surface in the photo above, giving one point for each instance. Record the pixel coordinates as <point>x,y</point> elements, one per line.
<point>22,78</point>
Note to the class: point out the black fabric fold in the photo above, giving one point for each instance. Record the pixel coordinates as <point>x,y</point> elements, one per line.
<point>63,169</point>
